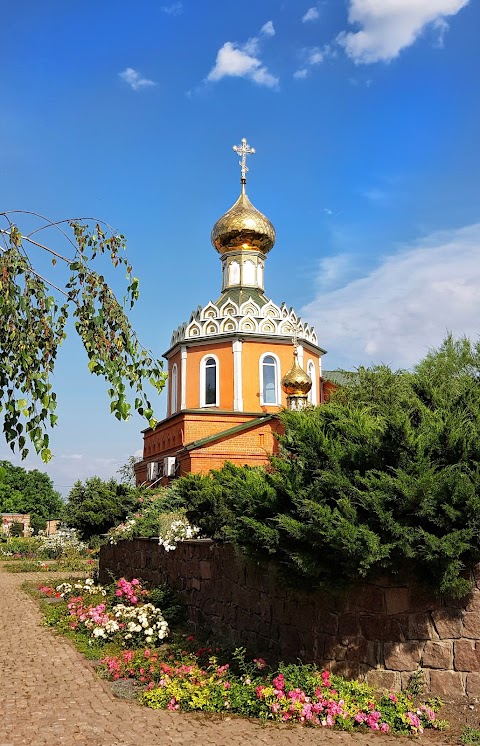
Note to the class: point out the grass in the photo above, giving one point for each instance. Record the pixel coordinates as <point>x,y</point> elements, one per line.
<point>65,565</point>
<point>470,736</point>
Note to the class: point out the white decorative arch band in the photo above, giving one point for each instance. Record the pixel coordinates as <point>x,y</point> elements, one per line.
<point>248,318</point>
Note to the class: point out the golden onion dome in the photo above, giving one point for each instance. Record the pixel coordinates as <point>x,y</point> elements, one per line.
<point>243,227</point>
<point>296,382</point>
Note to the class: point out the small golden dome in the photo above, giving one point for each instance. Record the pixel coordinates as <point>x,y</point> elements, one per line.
<point>296,382</point>
<point>243,227</point>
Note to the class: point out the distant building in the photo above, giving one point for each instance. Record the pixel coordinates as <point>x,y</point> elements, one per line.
<point>236,363</point>
<point>10,518</point>
<point>52,527</point>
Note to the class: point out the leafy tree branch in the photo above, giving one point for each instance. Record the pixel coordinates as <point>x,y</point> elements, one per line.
<point>34,311</point>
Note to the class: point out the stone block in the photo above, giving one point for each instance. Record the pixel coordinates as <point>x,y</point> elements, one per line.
<point>447,684</point>
<point>473,685</point>
<point>397,600</point>
<point>448,623</point>
<point>356,649</point>
<point>345,668</point>
<point>349,625</point>
<point>195,584</point>
<point>471,625</point>
<point>421,600</point>
<point>326,622</point>
<point>473,601</point>
<point>467,655</point>
<point>381,680</point>
<point>421,627</point>
<point>205,570</point>
<point>375,655</point>
<point>368,598</point>
<point>438,654</point>
<point>403,656</point>
<point>384,628</point>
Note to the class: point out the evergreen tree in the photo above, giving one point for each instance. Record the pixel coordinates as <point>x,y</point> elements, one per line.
<point>385,477</point>
<point>96,506</point>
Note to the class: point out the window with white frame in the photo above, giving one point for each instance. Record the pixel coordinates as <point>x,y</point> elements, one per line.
<point>269,379</point>
<point>209,388</point>
<point>312,394</point>
<point>174,389</point>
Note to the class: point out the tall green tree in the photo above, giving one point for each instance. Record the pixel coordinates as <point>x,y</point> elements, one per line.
<point>34,310</point>
<point>31,492</point>
<point>96,505</point>
<point>384,477</point>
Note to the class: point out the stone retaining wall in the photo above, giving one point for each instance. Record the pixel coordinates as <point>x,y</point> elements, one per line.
<point>378,631</point>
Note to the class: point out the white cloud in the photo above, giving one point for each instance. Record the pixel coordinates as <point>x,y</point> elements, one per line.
<point>242,61</point>
<point>301,73</point>
<point>312,14</point>
<point>134,79</point>
<point>388,26</point>
<point>315,56</point>
<point>174,9</point>
<point>311,56</point>
<point>268,29</point>
<point>404,307</point>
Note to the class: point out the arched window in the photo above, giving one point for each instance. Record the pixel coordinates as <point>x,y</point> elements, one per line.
<point>312,394</point>
<point>269,379</point>
<point>174,389</point>
<point>209,388</point>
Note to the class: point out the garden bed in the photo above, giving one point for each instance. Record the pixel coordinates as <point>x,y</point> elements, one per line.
<point>138,638</point>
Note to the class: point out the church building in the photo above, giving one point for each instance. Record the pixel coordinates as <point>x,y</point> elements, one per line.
<point>236,363</point>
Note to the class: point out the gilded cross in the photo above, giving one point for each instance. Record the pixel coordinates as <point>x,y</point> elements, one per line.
<point>295,338</point>
<point>243,150</point>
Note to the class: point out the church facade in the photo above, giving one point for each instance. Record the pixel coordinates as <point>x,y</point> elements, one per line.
<point>236,363</point>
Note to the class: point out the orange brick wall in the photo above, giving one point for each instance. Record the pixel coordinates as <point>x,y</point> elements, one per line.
<point>221,350</point>
<point>252,446</point>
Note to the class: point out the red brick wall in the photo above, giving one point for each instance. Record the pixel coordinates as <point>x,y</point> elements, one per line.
<point>379,631</point>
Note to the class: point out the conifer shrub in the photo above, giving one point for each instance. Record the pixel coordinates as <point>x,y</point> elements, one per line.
<point>383,478</point>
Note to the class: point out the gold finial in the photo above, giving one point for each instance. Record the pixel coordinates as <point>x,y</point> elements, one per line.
<point>244,149</point>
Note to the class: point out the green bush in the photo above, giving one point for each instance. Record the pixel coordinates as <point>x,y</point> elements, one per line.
<point>385,476</point>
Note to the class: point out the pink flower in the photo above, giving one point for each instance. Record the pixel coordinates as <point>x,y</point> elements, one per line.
<point>384,727</point>
<point>279,681</point>
<point>173,704</point>
<point>260,662</point>
<point>393,697</point>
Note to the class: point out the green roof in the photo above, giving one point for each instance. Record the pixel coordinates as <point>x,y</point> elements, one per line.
<point>240,294</point>
<point>339,377</point>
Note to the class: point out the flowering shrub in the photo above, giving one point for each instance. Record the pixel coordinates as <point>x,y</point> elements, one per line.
<point>131,591</point>
<point>295,693</point>
<point>175,528</point>
<point>125,530</point>
<point>141,624</point>
<point>84,588</point>
<point>159,514</point>
<point>60,544</point>
<point>94,610</point>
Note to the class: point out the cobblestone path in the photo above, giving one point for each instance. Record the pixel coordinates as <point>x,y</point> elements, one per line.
<point>50,695</point>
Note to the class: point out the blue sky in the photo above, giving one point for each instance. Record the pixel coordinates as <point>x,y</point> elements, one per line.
<point>365,117</point>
